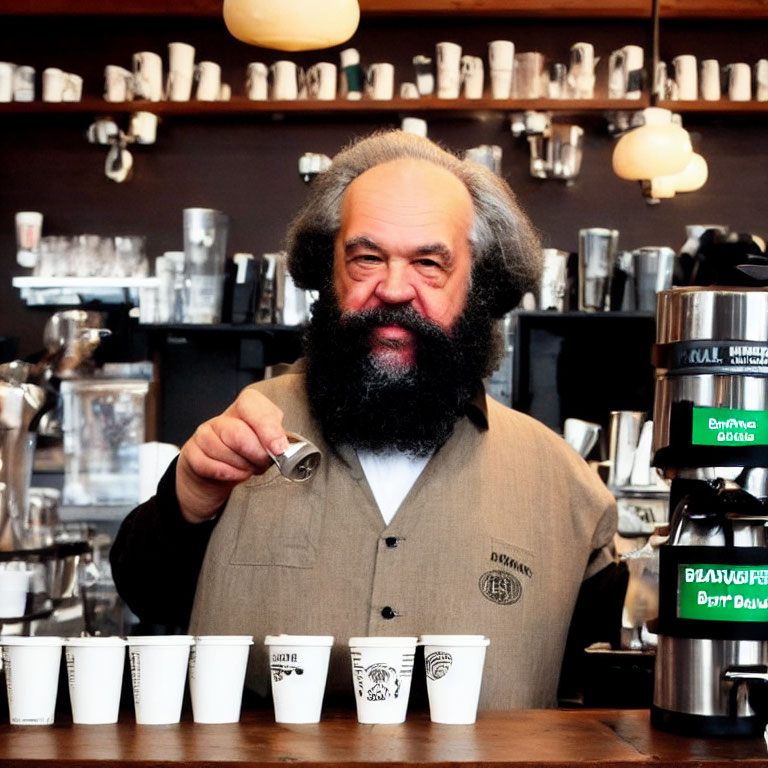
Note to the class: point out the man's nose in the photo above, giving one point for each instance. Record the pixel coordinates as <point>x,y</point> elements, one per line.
<point>395,287</point>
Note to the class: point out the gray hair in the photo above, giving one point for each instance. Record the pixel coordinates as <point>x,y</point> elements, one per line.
<point>505,248</point>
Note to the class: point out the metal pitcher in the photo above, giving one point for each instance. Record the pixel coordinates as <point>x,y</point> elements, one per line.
<point>20,404</point>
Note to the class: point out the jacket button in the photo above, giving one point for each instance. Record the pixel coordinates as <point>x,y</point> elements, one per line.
<point>387,612</point>
<point>391,541</point>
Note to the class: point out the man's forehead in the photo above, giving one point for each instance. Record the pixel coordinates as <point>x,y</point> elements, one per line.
<point>408,183</point>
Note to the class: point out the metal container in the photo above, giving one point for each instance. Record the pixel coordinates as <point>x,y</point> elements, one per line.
<point>711,352</point>
<point>695,313</point>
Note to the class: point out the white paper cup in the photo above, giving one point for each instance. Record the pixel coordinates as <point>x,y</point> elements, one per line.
<point>217,666</point>
<point>382,668</point>
<point>32,678</point>
<point>158,673</point>
<point>298,666</point>
<point>454,667</point>
<point>13,593</point>
<point>95,675</point>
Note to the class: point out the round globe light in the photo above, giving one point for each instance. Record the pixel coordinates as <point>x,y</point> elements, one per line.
<point>658,148</point>
<point>298,25</point>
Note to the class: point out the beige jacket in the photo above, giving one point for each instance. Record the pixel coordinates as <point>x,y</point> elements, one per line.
<point>494,538</point>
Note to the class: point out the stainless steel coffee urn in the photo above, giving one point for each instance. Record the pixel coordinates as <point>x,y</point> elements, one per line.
<point>711,440</point>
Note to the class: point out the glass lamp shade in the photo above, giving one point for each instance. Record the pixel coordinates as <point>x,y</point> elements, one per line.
<point>295,25</point>
<point>691,178</point>
<point>658,148</point>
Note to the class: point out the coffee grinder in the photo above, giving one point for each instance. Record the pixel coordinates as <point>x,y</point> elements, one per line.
<point>711,440</point>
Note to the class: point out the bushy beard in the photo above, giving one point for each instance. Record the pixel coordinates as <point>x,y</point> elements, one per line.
<point>365,402</point>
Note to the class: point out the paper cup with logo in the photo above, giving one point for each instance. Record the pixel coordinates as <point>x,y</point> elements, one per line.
<point>158,673</point>
<point>298,666</point>
<point>95,677</point>
<point>217,666</point>
<point>32,678</point>
<point>454,667</point>
<point>382,668</point>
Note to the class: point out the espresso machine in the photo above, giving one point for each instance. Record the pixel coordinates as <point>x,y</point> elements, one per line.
<point>711,441</point>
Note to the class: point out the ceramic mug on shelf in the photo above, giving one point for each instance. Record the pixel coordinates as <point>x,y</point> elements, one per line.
<point>380,81</point>
<point>181,71</point>
<point>118,83</point>
<point>285,76</point>
<point>448,70</point>
<point>256,81</point>
<point>147,76</point>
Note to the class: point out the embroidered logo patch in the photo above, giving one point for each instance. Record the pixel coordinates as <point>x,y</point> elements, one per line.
<point>500,587</point>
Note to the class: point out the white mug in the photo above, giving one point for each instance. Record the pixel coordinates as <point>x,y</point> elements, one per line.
<point>102,131</point>
<point>73,87</point>
<point>208,74</point>
<point>739,81</point>
<point>225,92</point>
<point>409,91</point>
<point>24,83</point>
<point>472,76</point>
<point>709,80</point>
<point>625,72</point>
<point>501,62</point>
<point>415,125</point>
<point>118,83</point>
<point>147,76</point>
<point>285,80</point>
<point>425,77</point>
<point>256,81</point>
<point>380,81</point>
<point>686,77</point>
<point>321,81</point>
<point>143,127</point>
<point>6,80</point>
<point>351,76</point>
<point>581,73</point>
<point>53,84</point>
<point>761,80</point>
<point>527,77</point>
<point>448,57</point>
<point>181,71</point>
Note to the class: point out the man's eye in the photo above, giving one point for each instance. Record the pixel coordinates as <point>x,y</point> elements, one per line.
<point>427,263</point>
<point>368,257</point>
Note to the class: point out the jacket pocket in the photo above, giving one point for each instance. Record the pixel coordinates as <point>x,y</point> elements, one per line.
<point>280,523</point>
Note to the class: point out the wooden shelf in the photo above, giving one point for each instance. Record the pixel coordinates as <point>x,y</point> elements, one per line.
<point>243,106</point>
<point>637,9</point>
<point>723,106</point>
<point>714,9</point>
<point>212,8</point>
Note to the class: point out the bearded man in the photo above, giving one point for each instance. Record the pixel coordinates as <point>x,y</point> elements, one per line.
<point>435,509</point>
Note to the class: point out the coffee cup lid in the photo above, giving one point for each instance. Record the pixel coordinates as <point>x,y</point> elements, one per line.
<point>382,642</point>
<point>223,639</point>
<point>161,640</point>
<point>96,642</point>
<point>298,640</point>
<point>37,640</point>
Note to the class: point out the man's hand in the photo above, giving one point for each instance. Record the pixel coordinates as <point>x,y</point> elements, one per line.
<point>226,450</point>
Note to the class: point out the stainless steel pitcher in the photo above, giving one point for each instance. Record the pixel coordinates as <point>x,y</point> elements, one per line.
<point>20,404</point>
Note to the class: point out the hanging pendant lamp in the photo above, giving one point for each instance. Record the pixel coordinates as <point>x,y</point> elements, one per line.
<point>292,25</point>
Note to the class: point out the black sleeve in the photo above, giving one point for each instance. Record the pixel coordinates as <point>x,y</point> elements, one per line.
<point>596,618</point>
<point>156,558</point>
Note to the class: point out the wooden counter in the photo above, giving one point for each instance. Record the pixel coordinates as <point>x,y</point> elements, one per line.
<point>555,738</point>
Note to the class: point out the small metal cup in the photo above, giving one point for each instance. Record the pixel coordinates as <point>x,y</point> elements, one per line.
<point>299,461</point>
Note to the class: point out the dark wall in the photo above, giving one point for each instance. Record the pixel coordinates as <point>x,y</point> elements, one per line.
<point>247,166</point>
